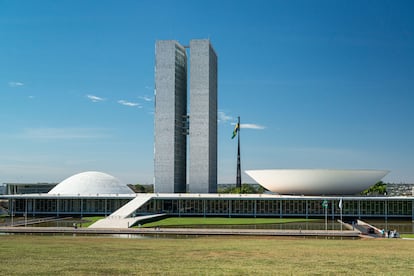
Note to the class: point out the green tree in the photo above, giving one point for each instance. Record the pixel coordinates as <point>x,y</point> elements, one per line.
<point>138,188</point>
<point>245,189</point>
<point>380,188</point>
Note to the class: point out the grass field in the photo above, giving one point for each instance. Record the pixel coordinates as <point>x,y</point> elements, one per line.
<point>185,221</point>
<point>67,255</point>
<point>87,221</point>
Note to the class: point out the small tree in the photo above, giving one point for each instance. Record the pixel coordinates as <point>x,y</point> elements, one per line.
<point>380,188</point>
<point>138,188</point>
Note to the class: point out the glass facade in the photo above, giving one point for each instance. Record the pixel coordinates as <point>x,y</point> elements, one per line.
<point>353,208</point>
<point>228,207</point>
<point>65,206</point>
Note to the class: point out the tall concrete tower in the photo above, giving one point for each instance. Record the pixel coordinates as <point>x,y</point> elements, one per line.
<point>170,118</point>
<point>203,117</point>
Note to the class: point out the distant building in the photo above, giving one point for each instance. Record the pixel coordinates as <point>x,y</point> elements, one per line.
<point>173,123</point>
<point>26,188</point>
<point>400,189</point>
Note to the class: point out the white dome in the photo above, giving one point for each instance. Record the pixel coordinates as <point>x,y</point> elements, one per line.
<point>317,181</point>
<point>91,183</point>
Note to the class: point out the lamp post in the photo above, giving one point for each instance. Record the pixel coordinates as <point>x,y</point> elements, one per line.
<point>11,201</point>
<point>325,206</point>
<point>25,213</point>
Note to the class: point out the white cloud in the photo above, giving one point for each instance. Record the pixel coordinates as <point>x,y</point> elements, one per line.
<point>15,84</point>
<point>123,102</point>
<point>252,126</point>
<point>223,117</point>
<point>94,98</point>
<point>146,98</point>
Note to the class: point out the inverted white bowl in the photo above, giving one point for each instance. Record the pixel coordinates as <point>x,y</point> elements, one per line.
<point>316,181</point>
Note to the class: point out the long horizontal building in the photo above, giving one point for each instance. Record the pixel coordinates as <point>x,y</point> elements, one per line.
<point>95,193</point>
<point>226,205</point>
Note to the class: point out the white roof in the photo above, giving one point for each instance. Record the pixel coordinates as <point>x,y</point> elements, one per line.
<point>317,181</point>
<point>91,183</point>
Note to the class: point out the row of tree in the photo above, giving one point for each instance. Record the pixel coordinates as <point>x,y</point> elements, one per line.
<point>379,188</point>
<point>225,189</point>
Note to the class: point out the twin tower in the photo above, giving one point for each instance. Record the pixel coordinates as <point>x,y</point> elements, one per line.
<point>175,120</point>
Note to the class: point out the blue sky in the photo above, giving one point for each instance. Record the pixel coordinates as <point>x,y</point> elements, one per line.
<point>318,84</point>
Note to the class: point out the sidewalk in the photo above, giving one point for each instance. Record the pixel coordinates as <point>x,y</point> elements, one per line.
<point>183,231</point>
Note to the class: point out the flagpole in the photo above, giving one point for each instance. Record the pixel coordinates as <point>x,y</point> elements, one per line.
<point>340,206</point>
<point>238,177</point>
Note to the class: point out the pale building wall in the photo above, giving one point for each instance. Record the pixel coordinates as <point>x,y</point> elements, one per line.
<point>170,145</point>
<point>203,118</point>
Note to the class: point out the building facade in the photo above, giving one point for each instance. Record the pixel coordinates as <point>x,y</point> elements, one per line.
<point>213,205</point>
<point>170,134</point>
<point>203,117</point>
<point>173,123</point>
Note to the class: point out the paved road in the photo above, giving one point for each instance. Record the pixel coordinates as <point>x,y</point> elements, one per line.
<point>182,231</point>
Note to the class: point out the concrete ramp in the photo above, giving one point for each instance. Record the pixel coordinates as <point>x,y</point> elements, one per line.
<point>368,229</point>
<point>348,226</point>
<point>120,218</point>
<point>131,206</point>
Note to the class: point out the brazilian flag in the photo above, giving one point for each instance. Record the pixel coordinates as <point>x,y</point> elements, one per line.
<point>236,129</point>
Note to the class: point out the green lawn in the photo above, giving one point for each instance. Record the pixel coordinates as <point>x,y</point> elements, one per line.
<point>194,221</point>
<point>87,221</point>
<point>76,255</point>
